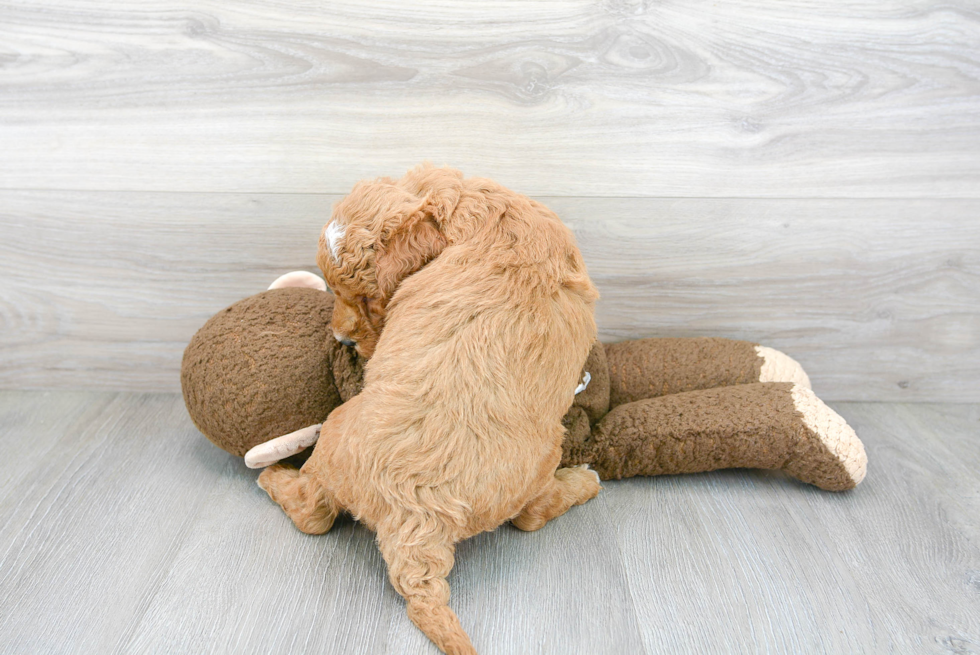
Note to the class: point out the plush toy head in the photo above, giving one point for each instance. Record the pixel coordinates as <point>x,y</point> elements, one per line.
<point>266,366</point>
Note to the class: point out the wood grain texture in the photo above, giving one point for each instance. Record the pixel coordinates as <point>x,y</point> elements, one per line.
<point>610,98</point>
<point>878,299</point>
<point>745,560</point>
<point>125,531</point>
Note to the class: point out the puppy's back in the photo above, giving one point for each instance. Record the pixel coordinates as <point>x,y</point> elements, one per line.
<point>477,364</point>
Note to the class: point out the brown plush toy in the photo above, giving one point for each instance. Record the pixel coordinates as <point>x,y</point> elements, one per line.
<point>266,366</point>
<point>269,365</point>
<point>659,406</point>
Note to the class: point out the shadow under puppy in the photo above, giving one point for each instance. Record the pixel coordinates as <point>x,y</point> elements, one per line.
<point>487,316</point>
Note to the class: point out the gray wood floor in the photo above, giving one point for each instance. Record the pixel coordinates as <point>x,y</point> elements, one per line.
<point>125,531</point>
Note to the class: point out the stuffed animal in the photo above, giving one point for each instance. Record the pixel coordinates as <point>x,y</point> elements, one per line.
<point>261,375</point>
<point>265,366</point>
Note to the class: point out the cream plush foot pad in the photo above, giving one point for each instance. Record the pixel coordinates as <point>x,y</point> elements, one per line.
<point>780,367</point>
<point>833,432</point>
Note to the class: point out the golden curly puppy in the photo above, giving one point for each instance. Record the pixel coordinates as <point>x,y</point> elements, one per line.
<point>487,316</point>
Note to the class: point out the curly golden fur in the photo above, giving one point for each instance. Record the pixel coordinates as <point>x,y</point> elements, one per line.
<point>477,311</point>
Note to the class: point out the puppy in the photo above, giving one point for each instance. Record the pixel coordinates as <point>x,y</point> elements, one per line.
<point>475,307</point>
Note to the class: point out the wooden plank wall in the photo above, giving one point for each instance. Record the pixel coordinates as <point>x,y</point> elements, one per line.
<point>803,174</point>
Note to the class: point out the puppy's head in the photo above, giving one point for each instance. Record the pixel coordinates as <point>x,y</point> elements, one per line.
<point>381,233</point>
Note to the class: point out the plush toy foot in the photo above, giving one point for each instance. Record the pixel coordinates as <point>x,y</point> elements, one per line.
<point>776,366</point>
<point>301,496</point>
<point>570,486</point>
<point>830,454</point>
<point>768,425</point>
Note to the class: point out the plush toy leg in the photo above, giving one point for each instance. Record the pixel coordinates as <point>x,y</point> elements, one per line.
<point>648,368</point>
<point>769,425</point>
<point>570,486</point>
<point>301,496</point>
<point>419,560</point>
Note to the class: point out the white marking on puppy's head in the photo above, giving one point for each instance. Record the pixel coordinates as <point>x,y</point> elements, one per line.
<point>334,234</point>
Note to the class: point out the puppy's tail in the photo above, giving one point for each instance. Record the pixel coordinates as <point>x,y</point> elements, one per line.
<point>419,559</point>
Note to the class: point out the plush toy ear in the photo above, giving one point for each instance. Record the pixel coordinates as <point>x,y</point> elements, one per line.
<point>299,279</point>
<point>410,248</point>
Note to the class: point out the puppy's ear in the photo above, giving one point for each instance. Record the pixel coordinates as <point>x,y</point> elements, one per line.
<point>421,216</point>
<point>440,187</point>
<point>408,249</point>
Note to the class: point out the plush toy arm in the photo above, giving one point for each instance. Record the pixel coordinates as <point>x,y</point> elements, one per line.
<point>769,425</point>
<point>270,452</point>
<point>648,368</point>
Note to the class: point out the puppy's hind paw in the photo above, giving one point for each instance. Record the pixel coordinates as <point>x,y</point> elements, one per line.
<point>302,497</point>
<point>598,480</point>
<point>580,483</point>
<point>273,478</point>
